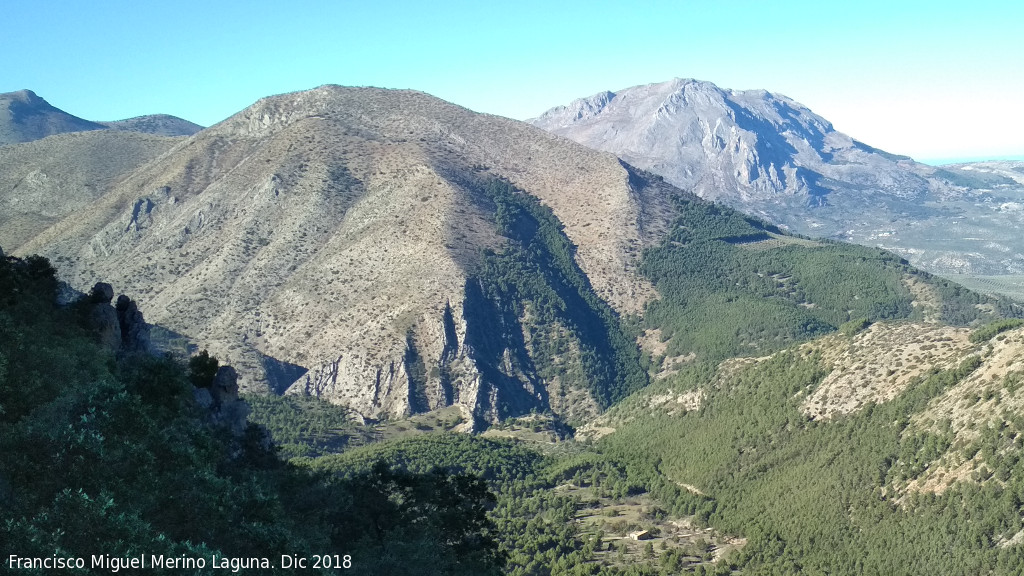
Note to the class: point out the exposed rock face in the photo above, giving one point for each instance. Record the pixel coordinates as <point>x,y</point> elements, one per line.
<point>120,328</point>
<point>738,147</point>
<point>768,155</point>
<point>103,318</point>
<point>133,328</point>
<point>225,397</point>
<point>221,399</point>
<point>339,230</point>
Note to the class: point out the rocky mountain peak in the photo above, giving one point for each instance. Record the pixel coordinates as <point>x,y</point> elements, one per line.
<point>582,107</point>
<point>26,97</point>
<point>768,155</point>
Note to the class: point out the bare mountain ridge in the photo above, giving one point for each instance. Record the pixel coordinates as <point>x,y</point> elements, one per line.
<point>337,229</point>
<point>722,142</point>
<point>766,154</point>
<point>25,117</point>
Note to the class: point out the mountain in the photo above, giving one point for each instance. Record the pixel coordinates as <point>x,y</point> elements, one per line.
<point>993,172</point>
<point>768,155</point>
<point>758,401</point>
<point>867,448</point>
<point>158,124</point>
<point>25,117</point>
<point>339,230</point>
<point>396,253</point>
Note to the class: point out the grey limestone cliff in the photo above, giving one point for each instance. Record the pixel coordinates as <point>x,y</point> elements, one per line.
<point>768,155</point>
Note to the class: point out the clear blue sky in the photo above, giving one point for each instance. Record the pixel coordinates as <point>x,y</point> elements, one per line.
<point>929,79</point>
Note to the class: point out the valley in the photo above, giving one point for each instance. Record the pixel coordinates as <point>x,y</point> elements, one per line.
<point>461,344</point>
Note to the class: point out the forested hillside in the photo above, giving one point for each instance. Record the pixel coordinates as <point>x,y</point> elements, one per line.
<point>106,452</point>
<point>889,488</point>
<point>746,481</point>
<point>100,449</point>
<point>532,298</point>
<point>732,285</point>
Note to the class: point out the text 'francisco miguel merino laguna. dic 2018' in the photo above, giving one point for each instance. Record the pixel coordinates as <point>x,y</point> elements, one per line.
<point>158,561</point>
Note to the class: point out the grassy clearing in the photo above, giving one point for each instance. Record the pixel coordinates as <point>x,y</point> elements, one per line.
<point>669,540</point>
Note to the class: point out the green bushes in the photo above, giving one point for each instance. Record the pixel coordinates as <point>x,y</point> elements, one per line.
<point>988,331</point>
<point>854,326</point>
<point>112,455</point>
<point>304,425</point>
<point>202,368</point>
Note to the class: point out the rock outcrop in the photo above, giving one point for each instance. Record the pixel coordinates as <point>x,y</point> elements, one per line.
<point>133,328</point>
<point>221,399</point>
<point>120,328</point>
<point>103,317</point>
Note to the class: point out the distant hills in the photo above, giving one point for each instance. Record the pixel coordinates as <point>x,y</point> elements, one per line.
<point>48,179</point>
<point>158,124</point>
<point>25,117</point>
<point>768,155</point>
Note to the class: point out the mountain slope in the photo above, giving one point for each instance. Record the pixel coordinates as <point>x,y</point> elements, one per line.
<point>46,180</point>
<point>847,452</point>
<point>768,155</point>
<point>102,451</point>
<point>25,117</point>
<point>341,230</point>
